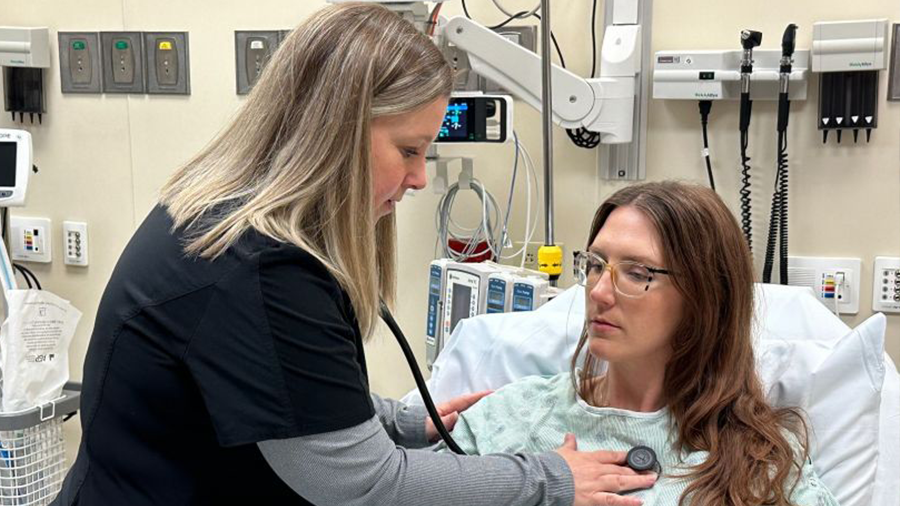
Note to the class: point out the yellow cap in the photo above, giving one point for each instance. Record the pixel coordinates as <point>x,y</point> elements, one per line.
<point>550,260</point>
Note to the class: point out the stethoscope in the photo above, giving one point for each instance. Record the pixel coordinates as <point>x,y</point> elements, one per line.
<point>639,458</point>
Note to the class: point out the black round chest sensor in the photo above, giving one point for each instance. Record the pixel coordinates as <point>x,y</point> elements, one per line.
<point>641,458</point>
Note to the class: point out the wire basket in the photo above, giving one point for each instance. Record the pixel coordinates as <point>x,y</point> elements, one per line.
<point>32,464</point>
<point>33,451</point>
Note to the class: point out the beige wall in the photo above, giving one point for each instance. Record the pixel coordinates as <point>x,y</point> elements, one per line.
<point>104,157</point>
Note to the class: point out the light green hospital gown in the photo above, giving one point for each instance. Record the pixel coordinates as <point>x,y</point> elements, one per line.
<point>533,414</point>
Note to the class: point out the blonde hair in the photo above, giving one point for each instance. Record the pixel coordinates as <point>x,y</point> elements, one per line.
<point>294,163</point>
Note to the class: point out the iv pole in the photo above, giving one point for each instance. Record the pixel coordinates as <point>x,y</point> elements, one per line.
<point>549,255</point>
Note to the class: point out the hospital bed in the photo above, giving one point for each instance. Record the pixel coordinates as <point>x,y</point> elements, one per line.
<point>806,357</point>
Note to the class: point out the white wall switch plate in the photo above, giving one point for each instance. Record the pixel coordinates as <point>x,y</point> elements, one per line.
<point>75,241</point>
<point>834,280</point>
<point>30,239</point>
<point>886,285</point>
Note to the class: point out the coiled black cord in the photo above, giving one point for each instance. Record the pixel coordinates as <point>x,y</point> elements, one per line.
<point>778,220</point>
<point>746,201</point>
<point>774,220</point>
<point>783,202</point>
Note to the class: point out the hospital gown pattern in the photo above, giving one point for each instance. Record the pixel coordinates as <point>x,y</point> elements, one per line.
<point>533,414</point>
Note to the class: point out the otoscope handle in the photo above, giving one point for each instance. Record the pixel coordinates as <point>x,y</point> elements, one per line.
<point>788,43</point>
<point>784,109</point>
<point>746,106</point>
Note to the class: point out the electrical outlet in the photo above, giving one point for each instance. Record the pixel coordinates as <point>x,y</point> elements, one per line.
<point>886,285</point>
<point>75,237</point>
<point>30,239</point>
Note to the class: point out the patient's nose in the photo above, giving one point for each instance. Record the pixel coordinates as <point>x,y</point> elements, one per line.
<point>603,292</point>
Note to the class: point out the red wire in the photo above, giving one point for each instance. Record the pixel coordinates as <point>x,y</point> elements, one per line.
<point>434,16</point>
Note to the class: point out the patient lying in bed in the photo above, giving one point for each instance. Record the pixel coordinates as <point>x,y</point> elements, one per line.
<point>668,302</point>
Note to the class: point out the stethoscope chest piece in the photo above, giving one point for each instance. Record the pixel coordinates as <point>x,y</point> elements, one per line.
<point>641,458</point>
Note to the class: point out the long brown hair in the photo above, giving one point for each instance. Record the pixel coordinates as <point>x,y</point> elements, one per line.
<point>294,163</point>
<point>711,387</point>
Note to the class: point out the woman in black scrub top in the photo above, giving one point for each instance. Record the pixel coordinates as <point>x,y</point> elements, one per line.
<point>226,365</point>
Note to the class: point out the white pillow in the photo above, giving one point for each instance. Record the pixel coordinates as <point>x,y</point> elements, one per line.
<point>838,385</point>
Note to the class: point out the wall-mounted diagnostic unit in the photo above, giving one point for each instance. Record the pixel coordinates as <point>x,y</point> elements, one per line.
<point>15,166</point>
<point>716,75</point>
<point>168,63</point>
<point>122,55</point>
<point>849,54</point>
<point>79,62</point>
<point>252,50</point>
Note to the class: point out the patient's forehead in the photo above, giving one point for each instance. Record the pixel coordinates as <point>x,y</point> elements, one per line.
<point>628,234</point>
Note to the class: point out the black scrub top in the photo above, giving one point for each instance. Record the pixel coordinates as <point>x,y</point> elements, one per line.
<point>192,362</point>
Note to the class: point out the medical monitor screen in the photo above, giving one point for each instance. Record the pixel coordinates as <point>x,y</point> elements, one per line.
<point>459,306</point>
<point>456,123</point>
<point>8,164</point>
<point>474,119</point>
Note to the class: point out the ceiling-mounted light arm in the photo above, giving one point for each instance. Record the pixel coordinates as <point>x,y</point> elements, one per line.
<point>604,105</point>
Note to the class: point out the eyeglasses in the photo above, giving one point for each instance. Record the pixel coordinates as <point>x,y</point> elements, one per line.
<point>631,279</point>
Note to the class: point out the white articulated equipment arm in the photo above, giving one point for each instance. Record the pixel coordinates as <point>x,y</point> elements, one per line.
<point>604,105</point>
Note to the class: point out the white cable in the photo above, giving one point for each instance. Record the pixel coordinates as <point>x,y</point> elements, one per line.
<point>531,173</point>
<point>522,250</point>
<point>530,228</point>
<point>497,3</point>
<point>838,293</point>
<point>485,232</point>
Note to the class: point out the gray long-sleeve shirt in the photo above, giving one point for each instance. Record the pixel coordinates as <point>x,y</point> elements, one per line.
<point>376,463</point>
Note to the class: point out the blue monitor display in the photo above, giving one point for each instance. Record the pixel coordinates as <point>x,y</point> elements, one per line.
<point>455,125</point>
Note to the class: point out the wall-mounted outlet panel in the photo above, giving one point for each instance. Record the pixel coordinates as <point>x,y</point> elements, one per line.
<point>886,285</point>
<point>122,57</point>
<point>30,239</point>
<point>168,63</point>
<point>834,280</point>
<point>79,62</point>
<point>252,50</point>
<point>75,240</point>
